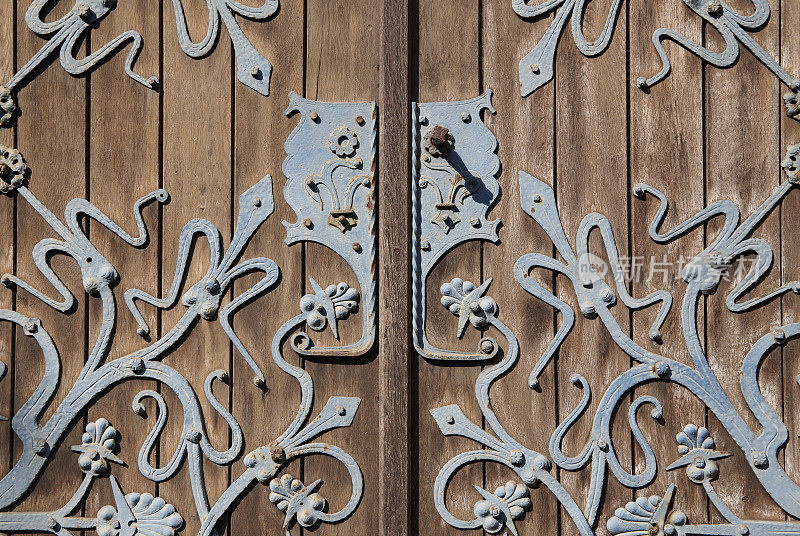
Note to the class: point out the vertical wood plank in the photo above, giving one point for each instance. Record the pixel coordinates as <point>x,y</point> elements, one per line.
<point>397,514</point>
<point>260,132</point>
<point>124,166</point>
<point>592,176</point>
<point>742,165</point>
<point>342,65</point>
<point>790,238</point>
<point>197,175</point>
<point>51,136</point>
<point>666,149</point>
<point>524,129</point>
<point>8,248</point>
<point>449,69</point>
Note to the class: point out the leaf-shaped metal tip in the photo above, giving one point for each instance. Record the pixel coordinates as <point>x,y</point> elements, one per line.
<point>257,199</point>
<point>255,73</point>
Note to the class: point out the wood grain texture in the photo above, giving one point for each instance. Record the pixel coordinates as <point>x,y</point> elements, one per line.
<point>197,174</point>
<point>57,157</point>
<point>7,252</point>
<point>790,237</point>
<point>743,165</point>
<point>399,514</point>
<point>124,166</point>
<point>592,176</point>
<point>260,129</point>
<point>343,66</point>
<point>666,152</point>
<point>524,129</point>
<point>449,69</point>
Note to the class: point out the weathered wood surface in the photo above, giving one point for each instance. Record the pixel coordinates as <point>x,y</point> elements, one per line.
<point>702,135</point>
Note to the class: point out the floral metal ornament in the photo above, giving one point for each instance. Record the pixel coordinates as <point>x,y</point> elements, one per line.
<point>330,174</point>
<point>202,300</point>
<point>698,453</point>
<point>536,69</point>
<point>297,500</point>
<point>508,503</point>
<point>498,510</point>
<point>454,185</point>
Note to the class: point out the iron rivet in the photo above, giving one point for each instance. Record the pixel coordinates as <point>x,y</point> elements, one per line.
<point>30,327</point>
<point>662,368</point>
<point>575,379</point>
<point>308,223</point>
<point>137,365</point>
<point>450,419</point>
<point>466,117</point>
<point>602,444</point>
<point>83,10</point>
<point>535,68</point>
<point>193,436</point>
<point>714,8</point>
<point>537,198</point>
<point>255,72</point>
<point>744,530</point>
<point>360,120</point>
<point>779,335</point>
<point>426,158</point>
<point>487,347</point>
<point>641,82</point>
<point>257,202</point>
<point>669,530</point>
<point>760,459</point>
<point>475,221</point>
<point>276,453</point>
<point>341,411</point>
<point>6,280</point>
<point>259,382</point>
<point>41,447</point>
<point>699,462</point>
<point>356,247</point>
<point>314,116</point>
<point>425,245</point>
<point>52,524</point>
<point>516,457</point>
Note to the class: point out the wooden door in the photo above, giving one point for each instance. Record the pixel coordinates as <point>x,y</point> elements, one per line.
<point>215,306</point>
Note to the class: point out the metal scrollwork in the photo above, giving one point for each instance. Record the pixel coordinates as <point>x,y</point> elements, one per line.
<point>536,69</point>
<point>330,171</point>
<point>137,513</point>
<point>454,186</point>
<point>697,451</point>
<point>66,33</point>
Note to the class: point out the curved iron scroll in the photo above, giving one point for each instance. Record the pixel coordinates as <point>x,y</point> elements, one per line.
<point>697,451</point>
<point>136,513</point>
<point>454,185</point>
<point>66,33</point>
<point>537,68</point>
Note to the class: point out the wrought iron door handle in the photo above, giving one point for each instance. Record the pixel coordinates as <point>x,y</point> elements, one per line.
<point>454,185</point>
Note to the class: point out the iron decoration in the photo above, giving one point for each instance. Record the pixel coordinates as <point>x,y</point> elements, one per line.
<point>330,172</point>
<point>98,453</point>
<point>697,451</point>
<point>454,185</point>
<point>537,67</point>
<point>65,34</point>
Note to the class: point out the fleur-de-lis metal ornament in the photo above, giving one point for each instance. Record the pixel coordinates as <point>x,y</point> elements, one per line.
<point>330,174</point>
<point>454,185</point>
<point>537,67</point>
